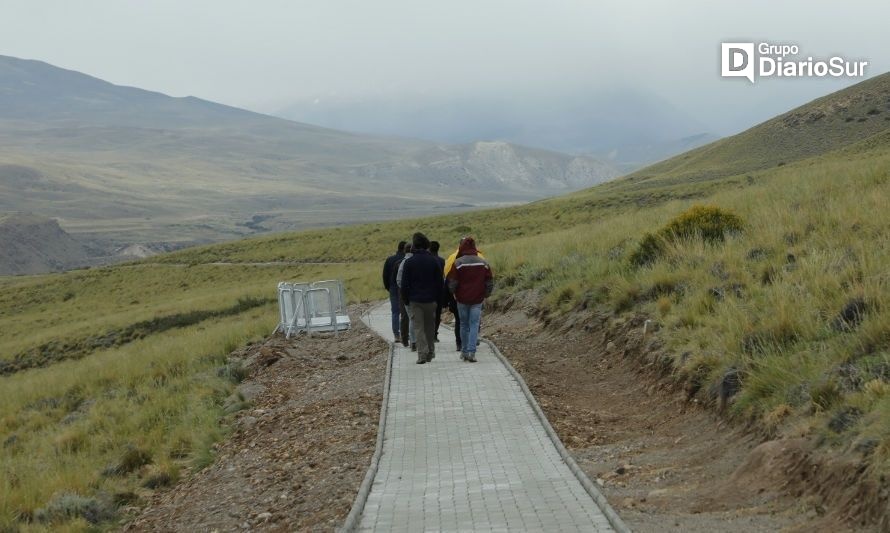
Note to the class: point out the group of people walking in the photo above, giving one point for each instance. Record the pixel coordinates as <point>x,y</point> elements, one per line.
<point>421,284</point>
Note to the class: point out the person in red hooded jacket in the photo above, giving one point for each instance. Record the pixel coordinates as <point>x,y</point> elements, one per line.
<point>471,281</point>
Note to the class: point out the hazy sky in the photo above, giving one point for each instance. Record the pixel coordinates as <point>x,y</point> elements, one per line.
<point>267,54</point>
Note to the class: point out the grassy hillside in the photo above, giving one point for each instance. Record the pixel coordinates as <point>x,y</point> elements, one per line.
<point>107,369</point>
<point>113,379</point>
<point>825,124</point>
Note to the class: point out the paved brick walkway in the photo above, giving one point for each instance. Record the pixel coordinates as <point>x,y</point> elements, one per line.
<point>463,450</point>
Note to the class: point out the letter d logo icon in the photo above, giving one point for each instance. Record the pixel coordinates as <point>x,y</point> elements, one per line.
<point>737,60</point>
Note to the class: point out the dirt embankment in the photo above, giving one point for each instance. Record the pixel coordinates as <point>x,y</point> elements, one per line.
<point>666,462</point>
<point>299,452</point>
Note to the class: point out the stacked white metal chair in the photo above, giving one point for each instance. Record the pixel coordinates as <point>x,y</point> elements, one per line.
<point>312,307</point>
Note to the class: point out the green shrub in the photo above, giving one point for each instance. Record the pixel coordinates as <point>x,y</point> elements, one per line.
<point>648,251</point>
<point>708,223</point>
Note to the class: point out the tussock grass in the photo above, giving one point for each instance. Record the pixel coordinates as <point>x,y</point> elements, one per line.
<point>80,438</point>
<point>89,428</point>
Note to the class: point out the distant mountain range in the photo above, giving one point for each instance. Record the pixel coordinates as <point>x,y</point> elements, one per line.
<point>629,127</point>
<point>119,166</point>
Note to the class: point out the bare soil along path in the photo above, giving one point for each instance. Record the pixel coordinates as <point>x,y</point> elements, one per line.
<point>664,463</point>
<point>298,454</point>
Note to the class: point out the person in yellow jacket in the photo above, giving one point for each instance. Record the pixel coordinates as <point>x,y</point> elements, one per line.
<point>452,303</point>
<point>449,261</point>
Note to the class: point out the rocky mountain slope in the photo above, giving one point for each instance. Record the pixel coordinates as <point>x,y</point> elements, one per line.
<point>30,244</point>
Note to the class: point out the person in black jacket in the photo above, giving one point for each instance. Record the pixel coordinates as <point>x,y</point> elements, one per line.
<point>389,268</point>
<point>434,249</point>
<point>421,289</point>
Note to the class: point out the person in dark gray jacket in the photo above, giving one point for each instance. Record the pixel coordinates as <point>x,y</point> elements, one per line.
<point>390,266</point>
<point>421,290</point>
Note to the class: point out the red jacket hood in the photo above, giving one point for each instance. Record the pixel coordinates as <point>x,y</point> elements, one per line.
<point>467,247</point>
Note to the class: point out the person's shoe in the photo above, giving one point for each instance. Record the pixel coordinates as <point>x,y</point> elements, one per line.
<point>463,356</point>
<point>437,337</point>
<point>398,338</point>
<point>413,346</point>
<point>471,357</point>
<point>459,348</point>
<point>421,361</point>
<point>404,343</point>
<point>429,358</point>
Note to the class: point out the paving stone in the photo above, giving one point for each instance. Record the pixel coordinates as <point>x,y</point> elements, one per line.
<point>464,450</point>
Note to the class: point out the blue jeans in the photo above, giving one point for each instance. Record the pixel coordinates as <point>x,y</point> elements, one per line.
<point>470,316</point>
<point>394,308</point>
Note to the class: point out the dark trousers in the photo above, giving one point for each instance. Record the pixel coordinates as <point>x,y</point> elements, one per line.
<point>404,321</point>
<point>452,306</point>
<point>438,318</point>
<point>424,315</point>
<point>395,307</point>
